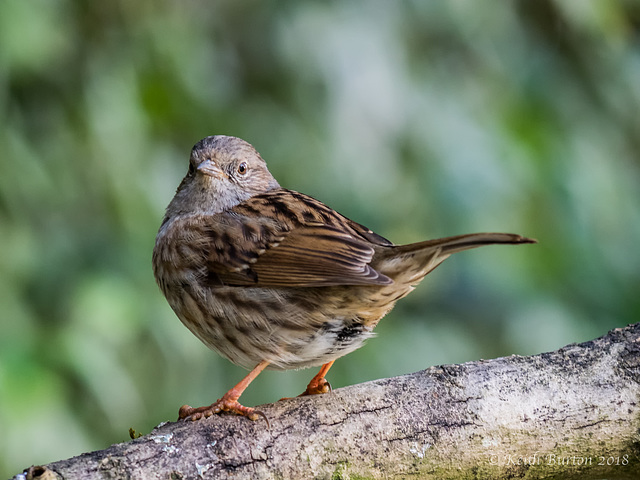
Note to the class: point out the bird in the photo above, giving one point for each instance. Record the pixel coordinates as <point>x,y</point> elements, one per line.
<point>271,278</point>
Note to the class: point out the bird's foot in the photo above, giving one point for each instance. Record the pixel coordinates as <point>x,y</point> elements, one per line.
<point>317,386</point>
<point>228,402</point>
<point>225,404</point>
<point>314,388</point>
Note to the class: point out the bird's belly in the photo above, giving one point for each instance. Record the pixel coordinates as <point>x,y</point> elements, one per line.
<point>290,328</point>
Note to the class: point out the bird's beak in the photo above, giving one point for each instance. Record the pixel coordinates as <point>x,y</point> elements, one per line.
<point>209,167</point>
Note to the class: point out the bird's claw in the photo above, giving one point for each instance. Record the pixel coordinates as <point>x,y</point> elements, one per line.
<point>318,387</point>
<point>223,405</point>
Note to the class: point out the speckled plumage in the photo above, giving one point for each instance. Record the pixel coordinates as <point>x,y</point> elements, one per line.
<point>269,276</point>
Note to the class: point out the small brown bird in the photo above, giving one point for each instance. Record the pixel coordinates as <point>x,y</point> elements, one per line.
<point>272,278</point>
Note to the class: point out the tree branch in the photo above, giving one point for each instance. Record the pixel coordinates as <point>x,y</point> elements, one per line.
<point>573,412</point>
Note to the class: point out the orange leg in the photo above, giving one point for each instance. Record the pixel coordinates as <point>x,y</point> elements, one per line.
<point>319,384</point>
<point>229,401</point>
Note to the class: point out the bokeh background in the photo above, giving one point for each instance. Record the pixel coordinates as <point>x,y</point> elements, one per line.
<point>417,118</point>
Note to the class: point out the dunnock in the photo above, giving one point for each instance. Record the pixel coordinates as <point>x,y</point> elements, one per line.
<point>272,278</point>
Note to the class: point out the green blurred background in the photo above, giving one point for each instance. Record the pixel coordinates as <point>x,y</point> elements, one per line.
<point>418,118</point>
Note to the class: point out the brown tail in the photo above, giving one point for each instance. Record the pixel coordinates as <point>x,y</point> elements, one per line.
<point>408,264</point>
<point>449,245</point>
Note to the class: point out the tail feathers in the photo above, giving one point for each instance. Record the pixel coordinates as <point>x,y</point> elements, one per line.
<point>458,243</point>
<point>408,264</point>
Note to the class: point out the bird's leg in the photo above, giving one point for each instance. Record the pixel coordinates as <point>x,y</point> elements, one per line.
<point>229,401</point>
<point>319,384</point>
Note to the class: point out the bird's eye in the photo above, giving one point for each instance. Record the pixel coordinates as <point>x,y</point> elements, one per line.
<point>242,168</point>
<point>192,168</point>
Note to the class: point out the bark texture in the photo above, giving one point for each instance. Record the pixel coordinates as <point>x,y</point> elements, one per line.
<point>572,413</point>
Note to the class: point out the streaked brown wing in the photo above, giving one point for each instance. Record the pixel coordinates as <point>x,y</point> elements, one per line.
<point>318,256</point>
<point>258,245</point>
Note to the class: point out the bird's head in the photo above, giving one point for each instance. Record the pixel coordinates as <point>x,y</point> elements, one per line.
<point>223,172</point>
